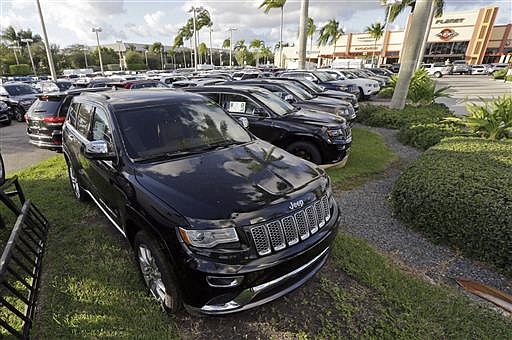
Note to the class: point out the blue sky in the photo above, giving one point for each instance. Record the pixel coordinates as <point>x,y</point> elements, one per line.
<point>70,21</point>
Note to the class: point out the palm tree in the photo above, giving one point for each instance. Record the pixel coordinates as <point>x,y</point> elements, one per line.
<point>310,31</point>
<point>241,52</point>
<point>376,31</point>
<point>271,4</point>
<point>329,34</point>
<point>266,53</point>
<point>158,48</point>
<point>397,9</point>
<point>257,45</point>
<point>226,43</point>
<point>202,50</point>
<point>10,35</point>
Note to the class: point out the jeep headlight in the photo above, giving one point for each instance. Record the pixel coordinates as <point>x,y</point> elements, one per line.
<point>3,106</point>
<point>334,133</point>
<point>208,238</point>
<point>342,111</point>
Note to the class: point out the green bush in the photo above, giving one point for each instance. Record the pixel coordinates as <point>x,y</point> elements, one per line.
<point>492,120</point>
<point>136,67</point>
<point>425,135</point>
<point>509,78</point>
<point>499,74</point>
<point>19,70</point>
<point>459,193</point>
<point>422,89</point>
<point>420,126</point>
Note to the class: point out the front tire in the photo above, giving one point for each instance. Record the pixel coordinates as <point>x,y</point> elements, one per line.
<point>157,272</point>
<point>438,74</point>
<point>361,95</point>
<point>78,192</point>
<point>305,150</point>
<point>7,122</point>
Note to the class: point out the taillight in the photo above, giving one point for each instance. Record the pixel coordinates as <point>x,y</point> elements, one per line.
<point>26,117</point>
<point>54,119</point>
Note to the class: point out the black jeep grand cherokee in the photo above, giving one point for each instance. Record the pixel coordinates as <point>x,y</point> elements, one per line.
<point>219,220</point>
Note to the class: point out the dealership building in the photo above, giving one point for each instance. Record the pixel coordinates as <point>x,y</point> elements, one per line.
<point>469,35</point>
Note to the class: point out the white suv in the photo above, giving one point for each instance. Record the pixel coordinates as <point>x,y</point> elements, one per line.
<point>367,87</point>
<point>438,69</point>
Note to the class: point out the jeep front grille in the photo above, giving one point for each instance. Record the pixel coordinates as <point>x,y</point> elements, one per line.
<point>285,232</point>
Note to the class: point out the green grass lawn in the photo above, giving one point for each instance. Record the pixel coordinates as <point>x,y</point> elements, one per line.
<point>369,156</point>
<point>91,287</point>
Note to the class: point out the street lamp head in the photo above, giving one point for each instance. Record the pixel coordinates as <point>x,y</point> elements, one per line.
<point>27,40</point>
<point>97,29</point>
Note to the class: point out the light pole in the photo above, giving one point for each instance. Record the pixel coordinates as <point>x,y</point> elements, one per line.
<point>28,41</point>
<point>119,42</point>
<point>231,29</point>
<point>146,56</point>
<point>46,43</point>
<point>14,48</point>
<point>85,49</point>
<point>98,30</point>
<point>211,50</point>
<point>387,4</point>
<point>162,57</point>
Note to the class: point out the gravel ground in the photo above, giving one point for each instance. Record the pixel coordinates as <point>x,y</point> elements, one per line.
<point>368,215</point>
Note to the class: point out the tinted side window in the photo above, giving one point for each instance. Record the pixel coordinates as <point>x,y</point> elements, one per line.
<point>281,93</point>
<point>212,96</point>
<point>100,127</point>
<point>83,118</point>
<point>73,109</point>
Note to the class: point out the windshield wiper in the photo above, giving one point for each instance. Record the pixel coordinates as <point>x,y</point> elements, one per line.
<point>166,155</point>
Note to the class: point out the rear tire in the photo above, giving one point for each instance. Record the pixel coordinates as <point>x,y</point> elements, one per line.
<point>361,95</point>
<point>19,114</point>
<point>438,74</point>
<point>78,192</point>
<point>157,272</point>
<point>305,150</point>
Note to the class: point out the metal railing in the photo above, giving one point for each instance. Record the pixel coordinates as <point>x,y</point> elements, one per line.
<point>20,264</point>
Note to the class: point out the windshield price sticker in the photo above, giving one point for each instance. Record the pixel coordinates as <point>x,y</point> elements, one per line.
<point>238,107</point>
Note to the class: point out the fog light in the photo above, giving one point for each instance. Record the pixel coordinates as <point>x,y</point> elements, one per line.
<point>224,281</point>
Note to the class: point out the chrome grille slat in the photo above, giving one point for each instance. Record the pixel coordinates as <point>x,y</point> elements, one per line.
<point>260,238</point>
<point>275,233</point>
<point>327,210</point>
<point>319,209</point>
<point>291,229</point>
<point>290,232</point>
<point>302,225</point>
<point>311,219</point>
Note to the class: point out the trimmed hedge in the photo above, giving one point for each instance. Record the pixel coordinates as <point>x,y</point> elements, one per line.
<point>19,70</point>
<point>459,193</point>
<point>419,126</point>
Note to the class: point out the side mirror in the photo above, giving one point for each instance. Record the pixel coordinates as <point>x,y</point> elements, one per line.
<point>244,121</point>
<point>289,98</point>
<point>98,149</point>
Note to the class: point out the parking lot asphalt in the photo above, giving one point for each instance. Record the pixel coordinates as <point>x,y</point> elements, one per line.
<point>16,151</point>
<point>471,89</point>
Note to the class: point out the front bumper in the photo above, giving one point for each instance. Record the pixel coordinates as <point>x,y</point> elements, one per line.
<point>280,273</point>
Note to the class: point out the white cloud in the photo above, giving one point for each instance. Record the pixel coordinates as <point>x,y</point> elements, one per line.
<point>153,24</point>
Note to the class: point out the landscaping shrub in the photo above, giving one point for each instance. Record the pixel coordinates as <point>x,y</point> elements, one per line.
<point>420,126</point>
<point>136,67</point>
<point>19,70</point>
<point>459,193</point>
<point>422,90</point>
<point>492,120</point>
<point>425,135</point>
<point>499,74</point>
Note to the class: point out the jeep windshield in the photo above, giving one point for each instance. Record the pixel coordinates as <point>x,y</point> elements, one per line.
<point>176,130</point>
<point>274,103</point>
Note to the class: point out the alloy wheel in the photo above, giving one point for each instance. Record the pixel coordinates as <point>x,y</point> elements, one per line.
<point>74,182</point>
<point>151,274</point>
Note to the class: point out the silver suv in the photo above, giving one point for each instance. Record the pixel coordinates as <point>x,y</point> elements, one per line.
<point>437,70</point>
<point>461,67</point>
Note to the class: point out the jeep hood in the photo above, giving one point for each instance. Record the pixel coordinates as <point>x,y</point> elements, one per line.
<point>221,184</point>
